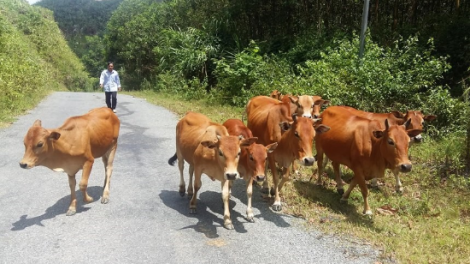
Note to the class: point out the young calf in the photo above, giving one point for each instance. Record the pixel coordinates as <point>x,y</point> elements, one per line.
<point>73,147</point>
<point>252,163</point>
<point>209,149</point>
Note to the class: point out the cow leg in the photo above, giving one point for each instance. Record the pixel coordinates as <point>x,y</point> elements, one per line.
<point>190,184</point>
<point>285,178</point>
<point>108,160</point>
<point>226,198</point>
<point>277,199</point>
<point>84,180</point>
<point>398,186</point>
<point>352,184</point>
<point>320,166</point>
<point>197,186</point>
<point>73,197</point>
<point>265,188</point>
<point>365,192</point>
<point>338,179</point>
<point>182,185</point>
<point>249,195</point>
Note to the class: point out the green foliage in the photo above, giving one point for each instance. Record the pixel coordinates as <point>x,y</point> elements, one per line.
<point>237,75</point>
<point>187,52</point>
<point>34,58</point>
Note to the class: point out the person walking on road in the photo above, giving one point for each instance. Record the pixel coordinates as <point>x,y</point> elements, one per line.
<point>109,81</point>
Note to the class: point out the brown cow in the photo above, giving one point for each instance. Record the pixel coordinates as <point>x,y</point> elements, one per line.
<point>364,146</point>
<point>396,118</point>
<point>73,147</point>
<point>251,165</point>
<point>265,119</point>
<point>209,149</point>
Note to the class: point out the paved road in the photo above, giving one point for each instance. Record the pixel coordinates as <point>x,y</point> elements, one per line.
<point>146,221</point>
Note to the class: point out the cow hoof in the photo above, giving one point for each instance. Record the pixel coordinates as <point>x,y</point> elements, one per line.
<point>70,212</point>
<point>192,211</point>
<point>250,219</point>
<point>399,189</point>
<point>104,200</point>
<point>368,214</point>
<point>265,190</point>
<point>277,207</point>
<point>190,195</point>
<point>229,226</point>
<point>182,194</point>
<point>340,191</point>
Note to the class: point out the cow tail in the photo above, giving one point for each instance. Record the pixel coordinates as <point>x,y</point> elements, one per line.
<point>172,160</point>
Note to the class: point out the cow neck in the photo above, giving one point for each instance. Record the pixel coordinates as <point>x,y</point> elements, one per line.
<point>286,148</point>
<point>379,161</point>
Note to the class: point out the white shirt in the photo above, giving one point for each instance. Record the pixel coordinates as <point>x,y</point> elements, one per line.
<point>110,81</point>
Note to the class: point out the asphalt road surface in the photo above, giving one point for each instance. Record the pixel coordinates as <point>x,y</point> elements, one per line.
<point>146,220</point>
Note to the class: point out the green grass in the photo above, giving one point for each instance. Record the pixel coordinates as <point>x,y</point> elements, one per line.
<point>432,221</point>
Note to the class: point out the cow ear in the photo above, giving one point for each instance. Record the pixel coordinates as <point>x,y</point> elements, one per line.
<point>429,117</point>
<point>37,123</point>
<point>326,102</point>
<point>414,132</point>
<point>293,99</point>
<point>294,116</point>
<point>397,114</point>
<point>209,143</point>
<point>54,135</point>
<point>320,129</point>
<point>407,123</point>
<point>271,147</point>
<point>284,126</point>
<point>378,133</point>
<point>247,142</point>
<point>387,126</point>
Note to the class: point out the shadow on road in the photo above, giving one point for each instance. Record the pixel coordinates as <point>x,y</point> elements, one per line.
<point>60,207</point>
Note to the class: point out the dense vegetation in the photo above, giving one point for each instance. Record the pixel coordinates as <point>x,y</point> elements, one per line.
<point>83,23</point>
<point>34,58</point>
<point>233,50</point>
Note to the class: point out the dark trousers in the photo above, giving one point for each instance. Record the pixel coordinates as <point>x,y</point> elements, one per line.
<point>111,99</point>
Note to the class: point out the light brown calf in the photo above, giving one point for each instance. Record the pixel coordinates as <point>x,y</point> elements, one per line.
<point>266,120</point>
<point>209,149</point>
<point>73,147</point>
<point>252,163</point>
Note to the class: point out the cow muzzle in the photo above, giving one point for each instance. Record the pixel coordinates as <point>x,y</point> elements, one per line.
<point>405,167</point>
<point>25,165</point>
<point>231,176</point>
<point>308,161</point>
<point>260,178</point>
<point>417,139</point>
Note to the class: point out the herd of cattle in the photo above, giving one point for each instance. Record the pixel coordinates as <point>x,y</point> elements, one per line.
<point>280,130</point>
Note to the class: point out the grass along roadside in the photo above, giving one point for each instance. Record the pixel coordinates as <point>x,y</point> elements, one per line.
<point>428,223</point>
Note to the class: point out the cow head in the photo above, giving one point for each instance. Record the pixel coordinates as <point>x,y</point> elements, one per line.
<point>38,144</point>
<point>394,141</point>
<point>301,135</point>
<point>255,157</point>
<point>417,120</point>
<point>317,105</point>
<point>227,152</point>
<point>276,95</point>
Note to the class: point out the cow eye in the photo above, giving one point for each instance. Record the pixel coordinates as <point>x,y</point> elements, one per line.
<point>238,154</point>
<point>312,106</point>
<point>390,142</point>
<point>40,145</point>
<point>220,153</point>
<point>251,158</point>
<point>296,134</point>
